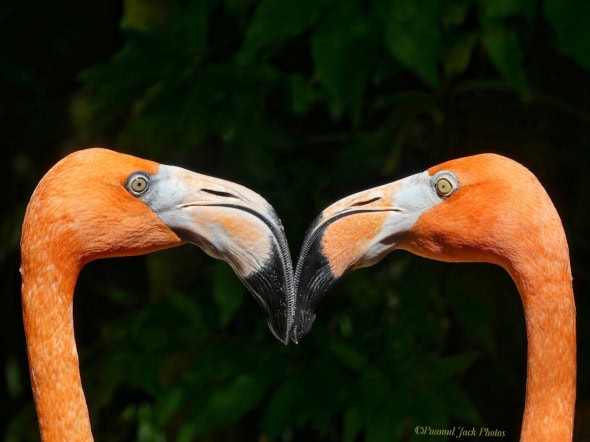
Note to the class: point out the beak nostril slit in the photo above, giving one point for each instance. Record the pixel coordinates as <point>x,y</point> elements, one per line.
<point>219,193</point>
<point>364,203</point>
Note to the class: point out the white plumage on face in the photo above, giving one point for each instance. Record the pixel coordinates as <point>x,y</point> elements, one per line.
<point>228,221</point>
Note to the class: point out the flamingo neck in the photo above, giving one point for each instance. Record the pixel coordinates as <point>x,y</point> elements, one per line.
<point>47,297</point>
<point>546,290</point>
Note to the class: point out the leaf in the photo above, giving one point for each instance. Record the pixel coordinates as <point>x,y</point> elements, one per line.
<point>458,403</point>
<point>498,9</point>
<point>475,314</point>
<point>344,51</point>
<point>353,424</point>
<point>228,292</point>
<point>169,402</point>
<point>113,88</point>
<point>447,367</point>
<point>570,20</point>
<point>147,431</point>
<point>506,54</point>
<point>143,16</point>
<point>381,428</point>
<point>347,356</point>
<point>279,414</point>
<point>458,55</point>
<point>454,13</point>
<point>413,36</point>
<point>275,21</point>
<point>229,403</point>
<point>303,94</point>
<point>191,21</point>
<point>316,397</point>
<point>163,57</point>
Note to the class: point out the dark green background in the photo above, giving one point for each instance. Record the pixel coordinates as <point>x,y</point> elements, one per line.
<point>303,101</point>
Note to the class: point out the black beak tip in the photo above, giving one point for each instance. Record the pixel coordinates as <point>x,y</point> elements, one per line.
<point>278,318</point>
<point>302,325</point>
<point>279,330</point>
<point>313,278</point>
<point>275,295</point>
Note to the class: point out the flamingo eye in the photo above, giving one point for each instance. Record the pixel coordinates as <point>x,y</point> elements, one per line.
<point>445,183</point>
<point>137,184</point>
<point>443,187</point>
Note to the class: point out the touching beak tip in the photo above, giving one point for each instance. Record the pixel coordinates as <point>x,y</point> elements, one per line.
<point>313,277</point>
<point>279,323</point>
<point>272,286</point>
<point>284,339</point>
<point>303,323</point>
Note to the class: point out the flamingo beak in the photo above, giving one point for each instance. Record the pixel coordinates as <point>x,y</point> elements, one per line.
<point>232,223</point>
<point>356,231</point>
<point>331,248</point>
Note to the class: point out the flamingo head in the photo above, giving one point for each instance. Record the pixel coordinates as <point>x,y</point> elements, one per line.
<point>96,203</point>
<point>476,208</point>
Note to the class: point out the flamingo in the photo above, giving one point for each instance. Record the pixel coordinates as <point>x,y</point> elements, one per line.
<point>98,203</point>
<point>482,208</point>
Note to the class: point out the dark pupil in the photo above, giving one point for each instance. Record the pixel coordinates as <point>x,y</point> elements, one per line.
<point>444,186</point>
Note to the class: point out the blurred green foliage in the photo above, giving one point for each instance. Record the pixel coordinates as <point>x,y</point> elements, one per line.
<point>304,102</point>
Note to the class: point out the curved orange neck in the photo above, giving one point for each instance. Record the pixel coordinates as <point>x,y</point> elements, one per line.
<point>550,315</point>
<point>47,296</point>
<point>539,265</point>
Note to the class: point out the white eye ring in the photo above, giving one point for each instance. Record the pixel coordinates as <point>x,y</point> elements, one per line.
<point>138,183</point>
<point>445,184</point>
